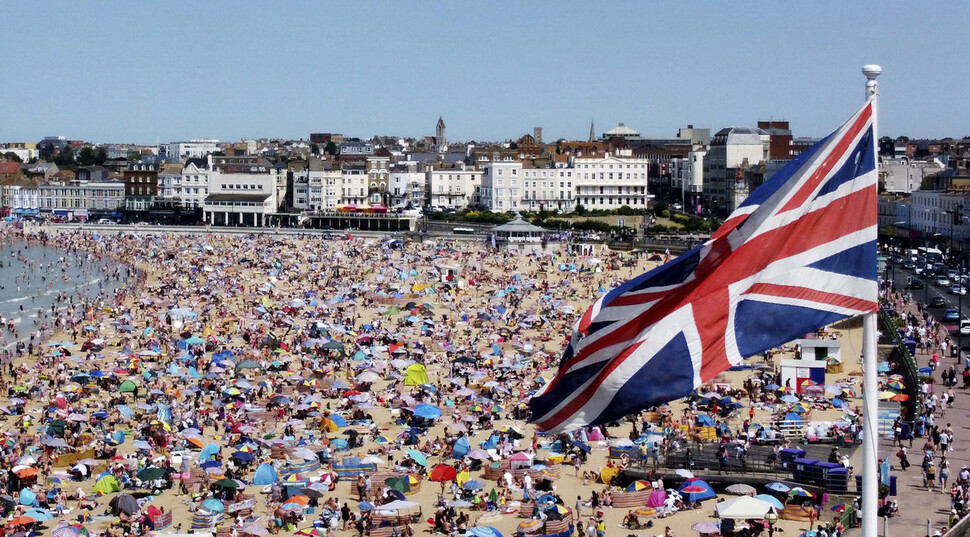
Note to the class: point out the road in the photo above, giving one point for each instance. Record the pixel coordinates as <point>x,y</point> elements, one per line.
<point>929,291</point>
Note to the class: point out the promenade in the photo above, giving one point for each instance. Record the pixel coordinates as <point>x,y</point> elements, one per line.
<point>916,503</point>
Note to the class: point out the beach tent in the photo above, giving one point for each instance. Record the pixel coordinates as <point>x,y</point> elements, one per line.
<point>207,452</point>
<point>127,386</point>
<point>415,375</point>
<point>461,448</point>
<point>27,497</point>
<point>107,484</point>
<point>265,475</point>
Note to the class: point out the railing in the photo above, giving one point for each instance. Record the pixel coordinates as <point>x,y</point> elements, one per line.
<point>910,370</point>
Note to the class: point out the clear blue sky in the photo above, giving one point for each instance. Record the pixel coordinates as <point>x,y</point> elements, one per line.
<point>134,71</point>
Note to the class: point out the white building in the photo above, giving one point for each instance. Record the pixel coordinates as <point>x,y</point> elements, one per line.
<point>501,188</point>
<point>610,182</point>
<point>941,214</point>
<point>733,150</point>
<point>243,191</point>
<point>78,200</point>
<point>180,151</point>
<point>353,183</point>
<point>548,189</point>
<point>193,185</point>
<point>687,176</point>
<point>903,175</point>
<point>406,185</point>
<point>453,188</point>
<point>315,186</point>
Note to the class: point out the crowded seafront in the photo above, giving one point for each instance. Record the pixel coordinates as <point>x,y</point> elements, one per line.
<point>273,383</point>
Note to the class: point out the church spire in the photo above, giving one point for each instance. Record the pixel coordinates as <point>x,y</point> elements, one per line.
<point>592,132</point>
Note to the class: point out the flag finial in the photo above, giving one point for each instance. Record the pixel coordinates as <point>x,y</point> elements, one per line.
<point>871,71</point>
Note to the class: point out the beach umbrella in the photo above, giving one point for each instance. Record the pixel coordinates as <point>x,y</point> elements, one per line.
<point>424,410</point>
<point>65,531</point>
<point>310,532</point>
<point>124,503</point>
<point>365,506</point>
<point>418,457</point>
<point>40,515</point>
<point>483,531</point>
<point>742,490</point>
<point>706,526</point>
<point>397,505</point>
<point>227,483</point>
<point>530,526</point>
<point>473,484</point>
<point>639,485</point>
<point>789,399</point>
<point>151,473</point>
<point>442,472</point>
<point>742,508</point>
<point>775,502</point>
<point>20,521</point>
<point>213,505</point>
<point>799,492</point>
<point>398,483</point>
<point>253,529</point>
<point>479,454</point>
<point>777,487</point>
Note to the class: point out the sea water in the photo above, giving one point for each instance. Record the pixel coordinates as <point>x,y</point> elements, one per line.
<point>32,276</point>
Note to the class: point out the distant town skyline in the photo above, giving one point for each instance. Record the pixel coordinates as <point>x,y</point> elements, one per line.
<point>123,73</point>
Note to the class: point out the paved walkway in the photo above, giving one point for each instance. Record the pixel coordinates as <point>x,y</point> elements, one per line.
<point>916,503</point>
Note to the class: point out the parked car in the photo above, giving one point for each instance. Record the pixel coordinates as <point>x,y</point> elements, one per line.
<point>951,314</point>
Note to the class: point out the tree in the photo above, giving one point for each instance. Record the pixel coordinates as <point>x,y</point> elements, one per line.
<point>330,148</point>
<point>101,156</point>
<point>13,157</point>
<point>64,157</point>
<point>580,210</point>
<point>928,183</point>
<point>314,149</point>
<point>87,156</point>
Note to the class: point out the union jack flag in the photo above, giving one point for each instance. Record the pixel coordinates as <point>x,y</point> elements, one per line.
<point>798,254</point>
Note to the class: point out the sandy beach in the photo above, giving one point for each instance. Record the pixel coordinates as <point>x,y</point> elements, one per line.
<point>263,346</point>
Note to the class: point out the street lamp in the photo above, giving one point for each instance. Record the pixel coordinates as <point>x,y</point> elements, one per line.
<point>771,517</point>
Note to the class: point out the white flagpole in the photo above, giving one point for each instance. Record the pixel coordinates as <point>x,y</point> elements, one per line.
<point>870,394</point>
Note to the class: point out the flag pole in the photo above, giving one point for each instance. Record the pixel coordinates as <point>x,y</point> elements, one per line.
<point>870,393</point>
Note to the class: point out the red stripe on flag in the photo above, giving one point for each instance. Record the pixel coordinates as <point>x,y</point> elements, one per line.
<point>792,291</point>
<point>829,162</point>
